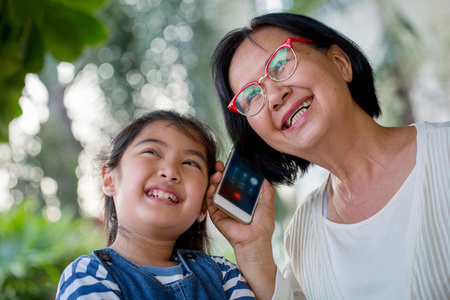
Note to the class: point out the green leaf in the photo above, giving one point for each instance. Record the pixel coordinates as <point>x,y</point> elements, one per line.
<point>33,61</point>
<point>89,28</point>
<point>35,251</point>
<point>9,101</point>
<point>67,31</point>
<point>60,35</point>
<point>85,5</point>
<point>10,59</point>
<point>30,28</point>
<point>16,12</point>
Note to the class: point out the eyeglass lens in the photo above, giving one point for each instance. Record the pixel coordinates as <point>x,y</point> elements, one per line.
<point>280,67</point>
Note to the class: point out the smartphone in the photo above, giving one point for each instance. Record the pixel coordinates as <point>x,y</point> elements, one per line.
<point>239,191</point>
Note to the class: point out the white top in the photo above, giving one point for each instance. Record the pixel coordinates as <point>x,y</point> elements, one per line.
<point>378,244</point>
<point>426,273</point>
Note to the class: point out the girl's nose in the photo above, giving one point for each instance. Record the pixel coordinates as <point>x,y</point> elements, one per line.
<point>169,173</point>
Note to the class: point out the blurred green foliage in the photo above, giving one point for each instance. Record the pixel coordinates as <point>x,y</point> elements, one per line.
<point>31,28</point>
<point>35,251</point>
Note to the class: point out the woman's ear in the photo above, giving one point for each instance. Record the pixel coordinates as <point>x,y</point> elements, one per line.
<point>203,211</point>
<point>108,182</point>
<point>342,61</point>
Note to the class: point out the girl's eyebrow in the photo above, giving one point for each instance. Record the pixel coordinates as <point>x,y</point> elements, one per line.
<point>196,153</point>
<point>146,141</point>
<point>186,151</point>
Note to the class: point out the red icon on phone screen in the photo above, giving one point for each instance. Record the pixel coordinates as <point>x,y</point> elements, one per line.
<point>237,196</point>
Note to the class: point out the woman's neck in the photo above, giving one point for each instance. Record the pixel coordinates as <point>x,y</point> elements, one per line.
<point>370,175</point>
<point>358,147</point>
<point>375,155</point>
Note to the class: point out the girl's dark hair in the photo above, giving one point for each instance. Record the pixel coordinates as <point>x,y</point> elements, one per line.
<point>195,238</point>
<point>277,167</point>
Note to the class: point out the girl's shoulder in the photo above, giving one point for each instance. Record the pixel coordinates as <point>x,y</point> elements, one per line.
<point>86,275</point>
<point>84,265</point>
<point>223,263</point>
<point>236,287</point>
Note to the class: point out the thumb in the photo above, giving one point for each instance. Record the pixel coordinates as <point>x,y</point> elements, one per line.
<point>266,207</point>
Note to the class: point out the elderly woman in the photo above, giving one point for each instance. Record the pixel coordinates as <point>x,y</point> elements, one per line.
<point>295,92</point>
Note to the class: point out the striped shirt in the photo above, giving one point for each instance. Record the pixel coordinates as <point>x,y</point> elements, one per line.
<point>86,278</point>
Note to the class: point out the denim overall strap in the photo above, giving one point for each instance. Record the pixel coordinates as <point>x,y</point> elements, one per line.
<point>207,273</point>
<point>204,279</point>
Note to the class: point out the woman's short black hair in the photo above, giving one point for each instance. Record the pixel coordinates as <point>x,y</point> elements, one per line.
<point>277,167</point>
<point>196,237</point>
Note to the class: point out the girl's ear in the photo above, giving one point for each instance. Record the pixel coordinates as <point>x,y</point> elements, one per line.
<point>108,182</point>
<point>342,61</point>
<point>203,211</point>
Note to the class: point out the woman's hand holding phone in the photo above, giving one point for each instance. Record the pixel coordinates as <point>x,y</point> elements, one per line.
<point>239,190</point>
<point>252,243</point>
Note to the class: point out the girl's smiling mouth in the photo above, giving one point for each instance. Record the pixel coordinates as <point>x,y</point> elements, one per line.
<point>154,193</point>
<point>298,113</point>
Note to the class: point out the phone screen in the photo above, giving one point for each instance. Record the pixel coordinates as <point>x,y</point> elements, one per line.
<point>241,184</point>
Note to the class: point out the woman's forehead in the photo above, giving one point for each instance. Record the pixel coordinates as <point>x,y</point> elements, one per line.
<point>265,40</point>
<point>251,56</point>
<point>270,36</point>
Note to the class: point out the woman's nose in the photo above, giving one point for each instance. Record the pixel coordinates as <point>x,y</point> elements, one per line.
<point>275,94</point>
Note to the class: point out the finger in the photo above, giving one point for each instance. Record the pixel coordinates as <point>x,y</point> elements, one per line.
<point>217,215</point>
<point>214,180</point>
<point>217,176</point>
<point>267,193</point>
<point>219,166</point>
<point>266,207</point>
<point>210,193</point>
<point>210,200</point>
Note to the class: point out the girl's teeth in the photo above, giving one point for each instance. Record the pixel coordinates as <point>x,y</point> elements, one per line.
<point>162,195</point>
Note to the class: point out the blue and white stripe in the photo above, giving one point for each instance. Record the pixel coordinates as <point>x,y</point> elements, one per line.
<point>86,278</point>
<point>234,284</point>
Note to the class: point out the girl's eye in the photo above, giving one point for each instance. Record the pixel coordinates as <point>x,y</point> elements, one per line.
<point>192,163</point>
<point>152,152</point>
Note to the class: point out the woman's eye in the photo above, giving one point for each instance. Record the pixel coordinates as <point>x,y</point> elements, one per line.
<point>251,95</point>
<point>277,68</point>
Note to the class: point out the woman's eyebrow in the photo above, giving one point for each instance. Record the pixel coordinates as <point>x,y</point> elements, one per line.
<point>267,60</point>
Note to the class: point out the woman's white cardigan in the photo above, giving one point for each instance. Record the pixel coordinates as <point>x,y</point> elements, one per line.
<point>308,273</point>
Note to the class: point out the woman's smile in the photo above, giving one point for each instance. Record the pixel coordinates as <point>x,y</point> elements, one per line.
<point>296,112</point>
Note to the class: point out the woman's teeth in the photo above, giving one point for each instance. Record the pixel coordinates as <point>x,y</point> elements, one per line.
<point>298,113</point>
<point>162,195</point>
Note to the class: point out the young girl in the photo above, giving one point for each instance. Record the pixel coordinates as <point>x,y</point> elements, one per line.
<point>155,179</point>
